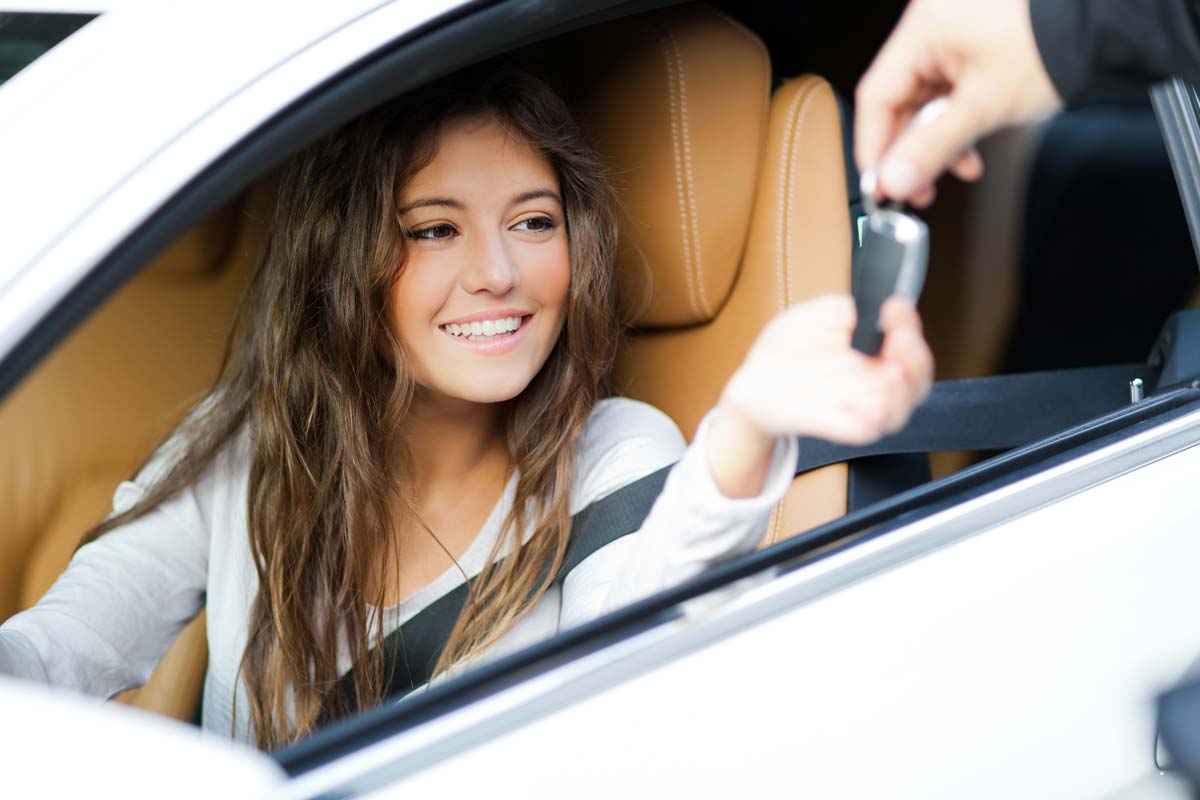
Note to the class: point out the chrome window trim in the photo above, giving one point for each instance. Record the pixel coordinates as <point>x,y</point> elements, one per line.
<point>1178,110</point>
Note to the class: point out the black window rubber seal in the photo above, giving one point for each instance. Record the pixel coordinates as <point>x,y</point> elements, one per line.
<point>354,733</point>
<point>466,35</point>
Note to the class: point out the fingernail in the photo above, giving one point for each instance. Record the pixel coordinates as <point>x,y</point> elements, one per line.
<point>898,177</point>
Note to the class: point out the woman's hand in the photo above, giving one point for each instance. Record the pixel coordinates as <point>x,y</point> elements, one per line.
<point>802,377</point>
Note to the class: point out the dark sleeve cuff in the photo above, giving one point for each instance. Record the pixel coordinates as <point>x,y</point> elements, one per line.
<point>1056,26</point>
<point>1092,49</point>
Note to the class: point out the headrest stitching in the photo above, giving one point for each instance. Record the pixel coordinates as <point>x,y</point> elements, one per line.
<point>808,93</point>
<point>675,151</point>
<point>698,261</point>
<point>773,523</point>
<point>784,196</point>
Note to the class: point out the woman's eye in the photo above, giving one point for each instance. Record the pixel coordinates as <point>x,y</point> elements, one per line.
<point>434,233</point>
<point>535,225</point>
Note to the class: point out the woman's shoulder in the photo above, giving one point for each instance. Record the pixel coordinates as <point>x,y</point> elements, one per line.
<point>623,440</point>
<point>624,415</point>
<point>228,469</point>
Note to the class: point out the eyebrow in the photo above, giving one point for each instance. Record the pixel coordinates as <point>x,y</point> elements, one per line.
<point>433,201</point>
<point>450,202</point>
<point>525,197</point>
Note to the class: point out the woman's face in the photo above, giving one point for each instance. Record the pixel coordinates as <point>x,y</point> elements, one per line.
<point>482,293</point>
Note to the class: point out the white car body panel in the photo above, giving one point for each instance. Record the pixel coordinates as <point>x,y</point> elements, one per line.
<point>59,745</point>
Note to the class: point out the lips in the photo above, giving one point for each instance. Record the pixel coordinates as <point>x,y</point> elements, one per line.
<point>503,336</point>
<point>484,328</point>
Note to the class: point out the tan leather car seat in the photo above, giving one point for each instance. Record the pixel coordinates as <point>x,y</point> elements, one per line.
<point>86,418</point>
<point>733,205</point>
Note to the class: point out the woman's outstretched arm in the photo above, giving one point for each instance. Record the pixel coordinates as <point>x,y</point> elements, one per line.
<point>692,524</point>
<point>800,377</point>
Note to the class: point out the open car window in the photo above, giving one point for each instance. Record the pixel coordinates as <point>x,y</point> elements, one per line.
<point>1043,294</point>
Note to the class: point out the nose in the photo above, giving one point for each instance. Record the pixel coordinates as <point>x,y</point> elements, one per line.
<point>492,267</point>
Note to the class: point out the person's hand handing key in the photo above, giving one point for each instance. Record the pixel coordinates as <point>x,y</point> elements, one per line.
<point>980,55</point>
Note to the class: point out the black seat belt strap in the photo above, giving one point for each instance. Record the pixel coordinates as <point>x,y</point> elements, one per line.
<point>994,413</point>
<point>411,650</point>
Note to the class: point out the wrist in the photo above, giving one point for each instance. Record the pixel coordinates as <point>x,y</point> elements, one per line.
<point>738,452</point>
<point>737,426</point>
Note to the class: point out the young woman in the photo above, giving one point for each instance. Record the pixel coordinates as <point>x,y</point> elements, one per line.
<point>413,397</point>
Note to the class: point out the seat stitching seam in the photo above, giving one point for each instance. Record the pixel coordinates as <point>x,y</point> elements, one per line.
<point>775,536</point>
<point>693,209</point>
<point>765,539</point>
<point>792,162</point>
<point>773,525</point>
<point>675,151</point>
<point>781,202</point>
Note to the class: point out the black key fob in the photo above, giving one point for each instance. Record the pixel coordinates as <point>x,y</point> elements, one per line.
<point>891,259</point>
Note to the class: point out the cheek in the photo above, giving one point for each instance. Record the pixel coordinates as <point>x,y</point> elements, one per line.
<point>416,297</point>
<point>547,275</point>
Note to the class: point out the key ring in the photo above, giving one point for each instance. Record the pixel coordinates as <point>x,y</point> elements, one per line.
<point>877,213</point>
<point>868,182</point>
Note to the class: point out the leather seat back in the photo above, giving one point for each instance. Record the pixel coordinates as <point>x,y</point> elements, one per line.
<point>87,417</point>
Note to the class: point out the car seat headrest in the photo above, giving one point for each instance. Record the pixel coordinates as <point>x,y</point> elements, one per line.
<point>676,102</point>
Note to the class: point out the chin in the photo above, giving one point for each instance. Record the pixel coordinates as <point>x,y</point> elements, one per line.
<point>490,397</point>
<point>492,393</point>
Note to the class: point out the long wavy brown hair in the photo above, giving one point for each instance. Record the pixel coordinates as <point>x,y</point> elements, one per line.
<point>315,373</point>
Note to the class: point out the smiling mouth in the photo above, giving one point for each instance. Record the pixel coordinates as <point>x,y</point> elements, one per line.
<point>492,330</point>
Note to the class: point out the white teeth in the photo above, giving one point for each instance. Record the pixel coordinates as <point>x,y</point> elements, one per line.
<point>482,331</point>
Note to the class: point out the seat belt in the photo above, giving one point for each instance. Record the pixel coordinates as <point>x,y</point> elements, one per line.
<point>994,413</point>
<point>979,414</point>
<point>411,650</point>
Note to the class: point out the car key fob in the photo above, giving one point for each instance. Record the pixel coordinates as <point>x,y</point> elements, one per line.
<point>893,251</point>
<point>892,259</point>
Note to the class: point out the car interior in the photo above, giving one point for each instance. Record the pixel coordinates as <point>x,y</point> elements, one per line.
<point>722,226</point>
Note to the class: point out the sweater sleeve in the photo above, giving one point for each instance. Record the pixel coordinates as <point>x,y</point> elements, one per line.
<point>107,620</point>
<point>1092,47</point>
<point>691,525</point>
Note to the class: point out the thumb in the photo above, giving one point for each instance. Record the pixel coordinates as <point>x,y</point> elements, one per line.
<point>922,153</point>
